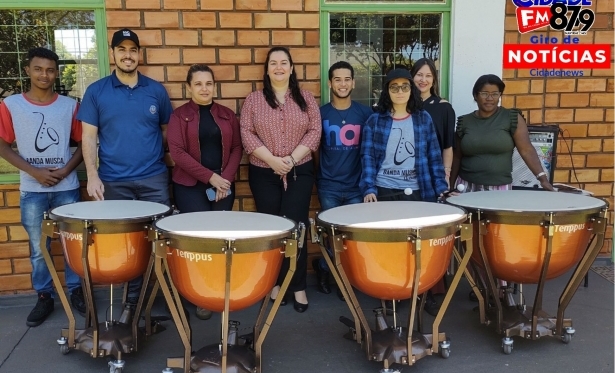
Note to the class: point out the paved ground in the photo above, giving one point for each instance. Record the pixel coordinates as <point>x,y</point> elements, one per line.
<point>312,342</point>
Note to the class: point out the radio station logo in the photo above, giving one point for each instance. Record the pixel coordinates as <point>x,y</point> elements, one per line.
<point>548,55</point>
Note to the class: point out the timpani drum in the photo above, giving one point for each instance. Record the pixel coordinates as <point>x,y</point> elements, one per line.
<point>224,261</point>
<point>120,250</point>
<point>392,251</point>
<point>530,237</point>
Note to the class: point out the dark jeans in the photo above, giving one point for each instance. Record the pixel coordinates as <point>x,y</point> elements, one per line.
<point>386,194</point>
<point>194,199</point>
<point>293,203</point>
<point>330,199</point>
<point>152,189</point>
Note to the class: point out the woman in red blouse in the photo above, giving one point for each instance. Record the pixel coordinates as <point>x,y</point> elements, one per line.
<point>280,128</point>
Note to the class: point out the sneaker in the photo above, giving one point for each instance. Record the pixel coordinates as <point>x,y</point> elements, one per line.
<point>78,301</point>
<point>203,314</point>
<point>43,308</point>
<point>322,277</point>
<point>432,306</point>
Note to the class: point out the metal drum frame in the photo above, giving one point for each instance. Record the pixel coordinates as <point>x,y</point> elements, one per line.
<point>246,349</point>
<point>98,339</point>
<point>517,319</point>
<point>393,344</point>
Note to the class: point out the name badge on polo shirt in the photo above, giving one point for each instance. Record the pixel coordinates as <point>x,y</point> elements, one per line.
<point>152,109</point>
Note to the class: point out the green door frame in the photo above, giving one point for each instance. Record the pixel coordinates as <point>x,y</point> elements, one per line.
<point>101,36</point>
<point>373,6</point>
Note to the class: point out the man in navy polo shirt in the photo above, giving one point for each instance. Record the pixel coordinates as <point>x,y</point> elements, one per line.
<point>128,112</point>
<point>339,168</point>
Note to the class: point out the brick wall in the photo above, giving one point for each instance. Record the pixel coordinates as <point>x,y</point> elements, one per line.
<point>583,108</point>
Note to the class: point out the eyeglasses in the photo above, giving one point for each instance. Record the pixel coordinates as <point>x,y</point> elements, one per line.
<point>490,94</point>
<point>396,88</point>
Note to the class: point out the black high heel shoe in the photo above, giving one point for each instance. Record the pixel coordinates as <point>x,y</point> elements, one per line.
<point>300,307</point>
<point>283,302</point>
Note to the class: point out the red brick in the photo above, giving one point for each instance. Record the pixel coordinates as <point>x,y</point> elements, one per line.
<point>123,18</point>
<point>235,20</point>
<point>537,86</point>
<point>284,37</point>
<point>305,55</point>
<point>3,234</point>
<point>609,115</point>
<point>564,161</point>
<point>181,37</point>
<point>252,72</point>
<point>535,117</point>
<point>552,100</point>
<point>517,87</point>
<point>603,37</point>
<point>199,19</point>
<point>601,21</point>
<point>560,85</point>
<point>199,55</point>
<point>313,87</point>
<point>22,265</point>
<point>574,100</point>
<point>224,72</point>
<point>607,145</point>
<point>286,4</point>
<point>601,129</point>
<point>604,6</point>
<point>162,55</point>
<point>10,216</point>
<point>312,38</point>
<point>251,4</point>
<point>269,20</point>
<point>529,101</point>
<point>589,115</point>
<point>511,37</point>
<point>230,103</point>
<point>149,38</point>
<point>561,176</point>
<point>602,99</point>
<point>175,90</point>
<point>260,55</point>
<point>15,282</point>
<point>17,233</point>
<point>591,85</point>
<point>253,37</point>
<point>238,90</point>
<point>299,70</point>
<point>142,4</point>
<point>600,190</point>
<point>558,115</point>
<point>508,101</point>
<point>161,19</point>
<point>588,175</point>
<point>311,5</point>
<point>14,250</point>
<point>243,173</point>
<point>586,145</point>
<point>217,5</point>
<point>113,4</point>
<point>218,37</point>
<point>177,73</point>
<point>5,267</point>
<point>574,130</point>
<point>180,4</point>
<point>247,204</point>
<point>510,23</point>
<point>154,72</point>
<point>606,175</point>
<point>304,21</point>
<point>235,56</point>
<point>600,160</point>
<point>312,72</point>
<point>12,199</point>
<point>509,74</point>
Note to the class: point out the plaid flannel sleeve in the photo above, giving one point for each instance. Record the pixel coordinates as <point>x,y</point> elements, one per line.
<point>368,160</point>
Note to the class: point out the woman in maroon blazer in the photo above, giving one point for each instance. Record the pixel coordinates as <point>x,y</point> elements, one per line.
<point>205,144</point>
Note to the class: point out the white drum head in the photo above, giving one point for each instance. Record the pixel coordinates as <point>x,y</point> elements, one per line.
<point>392,215</point>
<point>225,224</point>
<point>526,201</point>
<point>110,210</point>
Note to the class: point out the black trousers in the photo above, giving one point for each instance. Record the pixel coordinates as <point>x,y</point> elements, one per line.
<point>293,203</point>
<point>194,199</point>
<point>386,194</point>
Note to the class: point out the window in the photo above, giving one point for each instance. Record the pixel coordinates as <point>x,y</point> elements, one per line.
<point>375,37</point>
<point>77,36</point>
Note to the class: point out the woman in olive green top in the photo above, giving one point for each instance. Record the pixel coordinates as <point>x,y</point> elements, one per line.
<point>485,140</point>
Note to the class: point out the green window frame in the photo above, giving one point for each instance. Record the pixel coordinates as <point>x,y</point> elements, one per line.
<point>397,7</point>
<point>98,6</point>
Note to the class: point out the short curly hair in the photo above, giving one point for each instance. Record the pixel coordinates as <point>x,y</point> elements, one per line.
<point>41,52</point>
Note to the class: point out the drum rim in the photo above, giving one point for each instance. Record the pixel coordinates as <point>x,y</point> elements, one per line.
<point>140,219</point>
<point>274,236</point>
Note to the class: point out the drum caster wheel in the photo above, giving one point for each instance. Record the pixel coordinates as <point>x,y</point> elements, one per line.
<point>445,349</point>
<point>167,370</point>
<point>63,342</point>
<point>507,345</point>
<point>116,366</point>
<point>567,336</point>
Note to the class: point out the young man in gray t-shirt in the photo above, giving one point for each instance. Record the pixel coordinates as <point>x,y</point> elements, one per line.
<point>43,123</point>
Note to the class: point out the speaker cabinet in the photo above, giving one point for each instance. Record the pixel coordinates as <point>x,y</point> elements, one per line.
<point>544,141</point>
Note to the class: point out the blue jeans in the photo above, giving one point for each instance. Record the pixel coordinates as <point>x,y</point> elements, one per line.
<point>152,189</point>
<point>33,205</point>
<point>330,199</point>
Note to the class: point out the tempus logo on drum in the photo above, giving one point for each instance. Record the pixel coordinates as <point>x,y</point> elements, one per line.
<point>441,241</point>
<point>571,228</point>
<point>72,236</point>
<point>194,257</point>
